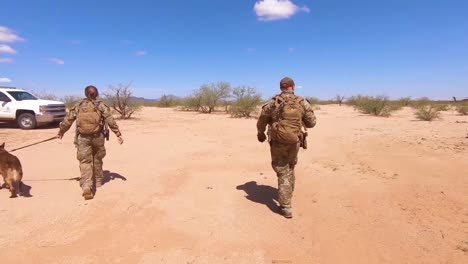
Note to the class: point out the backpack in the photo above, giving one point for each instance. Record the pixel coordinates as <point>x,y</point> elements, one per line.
<point>287,119</point>
<point>89,118</point>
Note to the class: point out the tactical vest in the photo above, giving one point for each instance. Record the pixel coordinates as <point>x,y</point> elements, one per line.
<point>89,118</point>
<point>287,119</point>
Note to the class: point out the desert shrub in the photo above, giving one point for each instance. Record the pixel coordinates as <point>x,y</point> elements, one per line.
<point>462,108</point>
<point>424,101</point>
<point>428,112</point>
<point>191,103</point>
<point>314,102</point>
<point>167,101</point>
<point>120,98</point>
<point>443,107</point>
<point>421,102</point>
<point>404,101</point>
<point>374,105</point>
<point>355,100</point>
<point>44,95</point>
<point>326,102</point>
<point>71,100</point>
<point>246,100</point>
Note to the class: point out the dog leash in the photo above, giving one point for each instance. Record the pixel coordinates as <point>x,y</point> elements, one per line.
<point>27,146</point>
<point>44,180</point>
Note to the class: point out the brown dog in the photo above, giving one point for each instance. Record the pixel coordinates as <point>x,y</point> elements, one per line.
<point>10,169</point>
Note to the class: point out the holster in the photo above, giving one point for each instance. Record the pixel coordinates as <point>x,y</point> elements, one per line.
<point>105,132</point>
<point>303,139</point>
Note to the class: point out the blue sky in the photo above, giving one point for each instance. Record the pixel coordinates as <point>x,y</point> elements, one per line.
<point>395,47</point>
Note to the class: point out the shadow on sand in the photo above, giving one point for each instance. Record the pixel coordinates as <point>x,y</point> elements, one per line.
<point>25,190</point>
<point>108,176</point>
<point>261,194</point>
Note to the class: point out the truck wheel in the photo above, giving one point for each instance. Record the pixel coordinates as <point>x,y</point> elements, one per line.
<point>27,121</point>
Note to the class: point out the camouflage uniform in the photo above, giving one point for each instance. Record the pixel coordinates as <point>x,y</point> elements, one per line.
<point>90,148</point>
<point>284,156</point>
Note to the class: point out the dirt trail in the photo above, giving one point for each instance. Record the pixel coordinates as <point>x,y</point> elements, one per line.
<point>190,188</point>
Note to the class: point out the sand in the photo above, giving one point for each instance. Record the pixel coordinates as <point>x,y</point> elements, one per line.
<point>194,188</point>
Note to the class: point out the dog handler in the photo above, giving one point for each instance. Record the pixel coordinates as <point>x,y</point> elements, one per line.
<point>92,117</point>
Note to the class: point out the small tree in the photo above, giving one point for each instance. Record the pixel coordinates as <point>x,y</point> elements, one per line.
<point>120,99</point>
<point>246,101</point>
<point>209,96</point>
<point>339,99</point>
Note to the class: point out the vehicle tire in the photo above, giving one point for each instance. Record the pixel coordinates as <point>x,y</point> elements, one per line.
<point>27,121</point>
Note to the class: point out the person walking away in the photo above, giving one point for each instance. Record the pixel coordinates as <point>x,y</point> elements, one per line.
<point>92,117</point>
<point>285,115</point>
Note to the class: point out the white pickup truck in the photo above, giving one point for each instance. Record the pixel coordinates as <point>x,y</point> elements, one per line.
<point>28,111</point>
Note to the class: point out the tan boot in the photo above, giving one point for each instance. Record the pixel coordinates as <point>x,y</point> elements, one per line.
<point>88,194</point>
<point>287,212</point>
<point>98,183</point>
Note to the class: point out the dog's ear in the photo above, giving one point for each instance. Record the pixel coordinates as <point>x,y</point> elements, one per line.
<point>2,146</point>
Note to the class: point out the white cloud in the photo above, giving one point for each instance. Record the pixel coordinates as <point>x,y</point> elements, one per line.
<point>291,49</point>
<point>7,49</point>
<point>6,60</point>
<point>5,80</point>
<point>56,61</point>
<point>299,87</point>
<point>8,36</point>
<point>268,10</point>
<point>141,53</point>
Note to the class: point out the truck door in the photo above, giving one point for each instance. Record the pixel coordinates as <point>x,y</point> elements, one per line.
<point>5,107</point>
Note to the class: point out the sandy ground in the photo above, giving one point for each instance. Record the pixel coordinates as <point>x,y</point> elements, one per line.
<point>192,188</point>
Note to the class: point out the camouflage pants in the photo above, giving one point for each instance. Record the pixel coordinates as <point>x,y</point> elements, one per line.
<point>283,161</point>
<point>90,152</point>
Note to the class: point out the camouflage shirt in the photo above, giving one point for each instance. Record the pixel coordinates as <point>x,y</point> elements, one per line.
<point>106,115</point>
<point>265,119</point>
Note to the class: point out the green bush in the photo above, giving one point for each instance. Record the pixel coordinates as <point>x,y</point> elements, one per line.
<point>208,97</point>
<point>421,102</point>
<point>374,105</point>
<point>404,101</point>
<point>314,102</point>
<point>355,100</point>
<point>443,107</point>
<point>428,112</point>
<point>246,101</point>
<point>462,108</point>
<point>168,101</point>
<point>192,103</point>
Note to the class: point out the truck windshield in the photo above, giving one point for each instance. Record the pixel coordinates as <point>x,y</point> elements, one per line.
<point>21,96</point>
